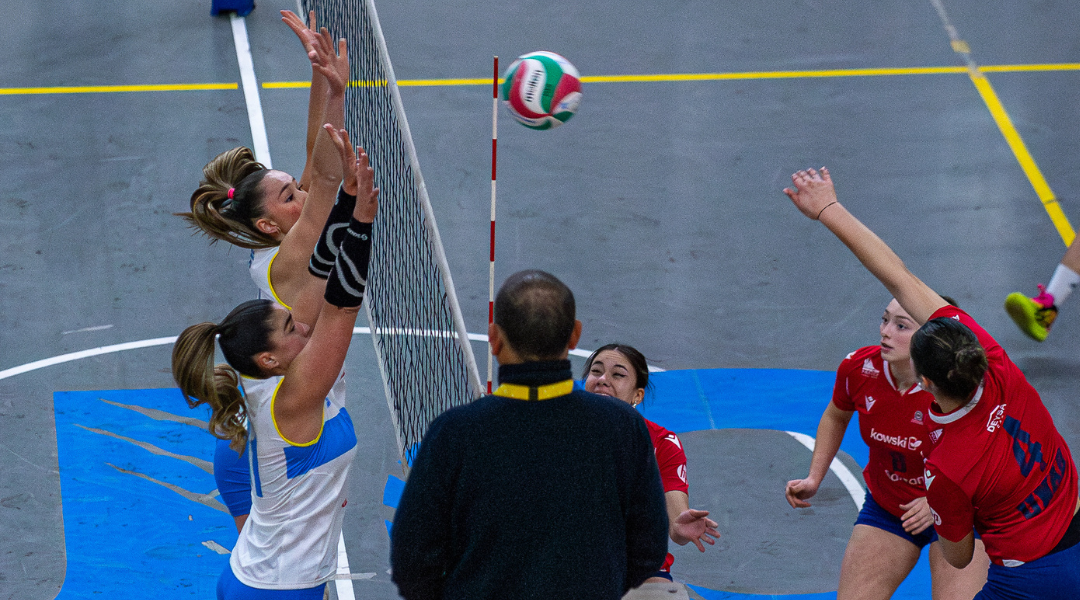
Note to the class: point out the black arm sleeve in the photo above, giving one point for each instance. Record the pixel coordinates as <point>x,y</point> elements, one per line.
<point>333,233</point>
<point>348,278</point>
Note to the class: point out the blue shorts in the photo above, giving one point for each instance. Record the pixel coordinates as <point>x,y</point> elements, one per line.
<point>873,515</point>
<point>233,476</point>
<point>231,588</point>
<point>662,575</point>
<point>1053,577</point>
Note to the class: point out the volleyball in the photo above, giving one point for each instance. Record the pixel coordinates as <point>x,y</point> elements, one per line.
<point>542,90</point>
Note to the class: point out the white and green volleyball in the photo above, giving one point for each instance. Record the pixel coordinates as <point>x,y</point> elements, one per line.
<point>542,90</point>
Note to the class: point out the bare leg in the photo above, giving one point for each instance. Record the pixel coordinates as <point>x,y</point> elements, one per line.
<point>1066,276</point>
<point>1072,256</point>
<point>950,583</point>
<point>875,563</point>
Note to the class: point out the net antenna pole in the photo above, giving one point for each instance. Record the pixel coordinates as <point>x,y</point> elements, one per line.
<point>491,260</point>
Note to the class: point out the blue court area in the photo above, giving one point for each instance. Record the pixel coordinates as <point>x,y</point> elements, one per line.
<point>141,514</point>
<point>141,510</point>
<point>780,399</point>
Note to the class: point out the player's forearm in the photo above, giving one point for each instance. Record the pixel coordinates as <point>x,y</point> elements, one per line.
<point>830,434</point>
<point>316,109</point>
<point>884,264</point>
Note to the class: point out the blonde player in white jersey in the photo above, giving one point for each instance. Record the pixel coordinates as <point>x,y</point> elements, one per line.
<point>242,202</point>
<point>278,218</point>
<point>299,434</point>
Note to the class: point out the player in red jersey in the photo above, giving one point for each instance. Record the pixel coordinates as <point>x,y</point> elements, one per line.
<point>895,522</point>
<point>621,371</point>
<point>998,464</point>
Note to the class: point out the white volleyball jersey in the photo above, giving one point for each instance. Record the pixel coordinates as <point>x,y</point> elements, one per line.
<point>290,540</point>
<point>259,269</point>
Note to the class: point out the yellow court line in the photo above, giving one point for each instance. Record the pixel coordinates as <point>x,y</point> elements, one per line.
<point>1027,163</point>
<point>647,78</point>
<point>101,89</point>
<point>670,77</point>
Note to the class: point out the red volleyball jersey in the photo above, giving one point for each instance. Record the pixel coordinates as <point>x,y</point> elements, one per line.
<point>999,464</point>
<point>670,457</point>
<point>892,425</point>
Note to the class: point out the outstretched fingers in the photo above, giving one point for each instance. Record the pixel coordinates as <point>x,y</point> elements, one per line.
<point>306,33</point>
<point>367,198</point>
<point>340,137</point>
<point>812,191</point>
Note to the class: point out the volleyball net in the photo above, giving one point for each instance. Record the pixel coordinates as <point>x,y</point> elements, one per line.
<point>424,355</point>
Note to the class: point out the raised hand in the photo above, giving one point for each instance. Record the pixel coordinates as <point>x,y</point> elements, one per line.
<point>359,176</point>
<point>813,192</point>
<point>693,525</point>
<point>330,61</point>
<point>306,33</point>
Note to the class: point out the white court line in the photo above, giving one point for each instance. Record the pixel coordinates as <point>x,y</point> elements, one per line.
<point>343,580</point>
<point>164,341</point>
<point>846,477</point>
<point>259,141</point>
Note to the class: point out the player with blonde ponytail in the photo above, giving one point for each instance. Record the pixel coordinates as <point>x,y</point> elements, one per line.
<point>299,436</point>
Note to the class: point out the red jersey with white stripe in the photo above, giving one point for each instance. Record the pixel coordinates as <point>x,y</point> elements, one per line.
<point>998,463</point>
<point>670,457</point>
<point>892,425</point>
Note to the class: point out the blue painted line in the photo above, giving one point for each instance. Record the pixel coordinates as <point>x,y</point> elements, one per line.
<point>708,594</point>
<point>126,536</point>
<point>782,399</point>
<point>392,491</point>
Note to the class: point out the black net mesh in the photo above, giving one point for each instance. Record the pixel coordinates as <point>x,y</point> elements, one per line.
<point>425,358</point>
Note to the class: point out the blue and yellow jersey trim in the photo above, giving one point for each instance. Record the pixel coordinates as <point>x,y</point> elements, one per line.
<point>273,417</point>
<point>270,284</point>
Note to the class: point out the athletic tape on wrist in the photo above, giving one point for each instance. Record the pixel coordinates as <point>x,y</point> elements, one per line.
<point>348,278</point>
<point>333,233</point>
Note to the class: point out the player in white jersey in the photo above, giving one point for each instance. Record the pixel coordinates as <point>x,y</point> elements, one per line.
<point>242,202</point>
<point>299,436</point>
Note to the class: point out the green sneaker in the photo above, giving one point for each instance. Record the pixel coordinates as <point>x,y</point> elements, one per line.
<point>1033,316</point>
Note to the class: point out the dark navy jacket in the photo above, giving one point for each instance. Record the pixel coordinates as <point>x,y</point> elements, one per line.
<point>557,498</point>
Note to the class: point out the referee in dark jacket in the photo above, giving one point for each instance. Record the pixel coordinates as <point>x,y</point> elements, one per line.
<point>539,490</point>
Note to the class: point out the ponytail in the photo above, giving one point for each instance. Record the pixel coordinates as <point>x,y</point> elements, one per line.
<point>946,352</point>
<point>244,333</point>
<point>203,382</point>
<point>222,215</point>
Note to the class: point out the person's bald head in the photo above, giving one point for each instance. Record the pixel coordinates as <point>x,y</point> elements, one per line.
<point>536,314</point>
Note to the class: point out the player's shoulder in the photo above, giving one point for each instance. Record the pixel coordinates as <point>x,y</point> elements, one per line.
<point>661,434</point>
<point>862,359</point>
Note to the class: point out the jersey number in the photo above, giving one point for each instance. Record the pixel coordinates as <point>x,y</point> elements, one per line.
<point>1027,453</point>
<point>899,462</point>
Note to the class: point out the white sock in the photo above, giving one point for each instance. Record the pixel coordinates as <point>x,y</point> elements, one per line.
<point>1062,284</point>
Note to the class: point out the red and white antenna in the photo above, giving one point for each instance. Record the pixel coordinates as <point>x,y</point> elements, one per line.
<point>491,264</point>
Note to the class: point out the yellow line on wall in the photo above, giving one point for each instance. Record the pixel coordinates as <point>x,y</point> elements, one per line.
<point>104,89</point>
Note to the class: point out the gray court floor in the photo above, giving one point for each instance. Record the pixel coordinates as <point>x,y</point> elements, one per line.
<point>659,203</point>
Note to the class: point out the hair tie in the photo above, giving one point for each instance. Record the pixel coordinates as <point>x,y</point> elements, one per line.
<point>232,191</point>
